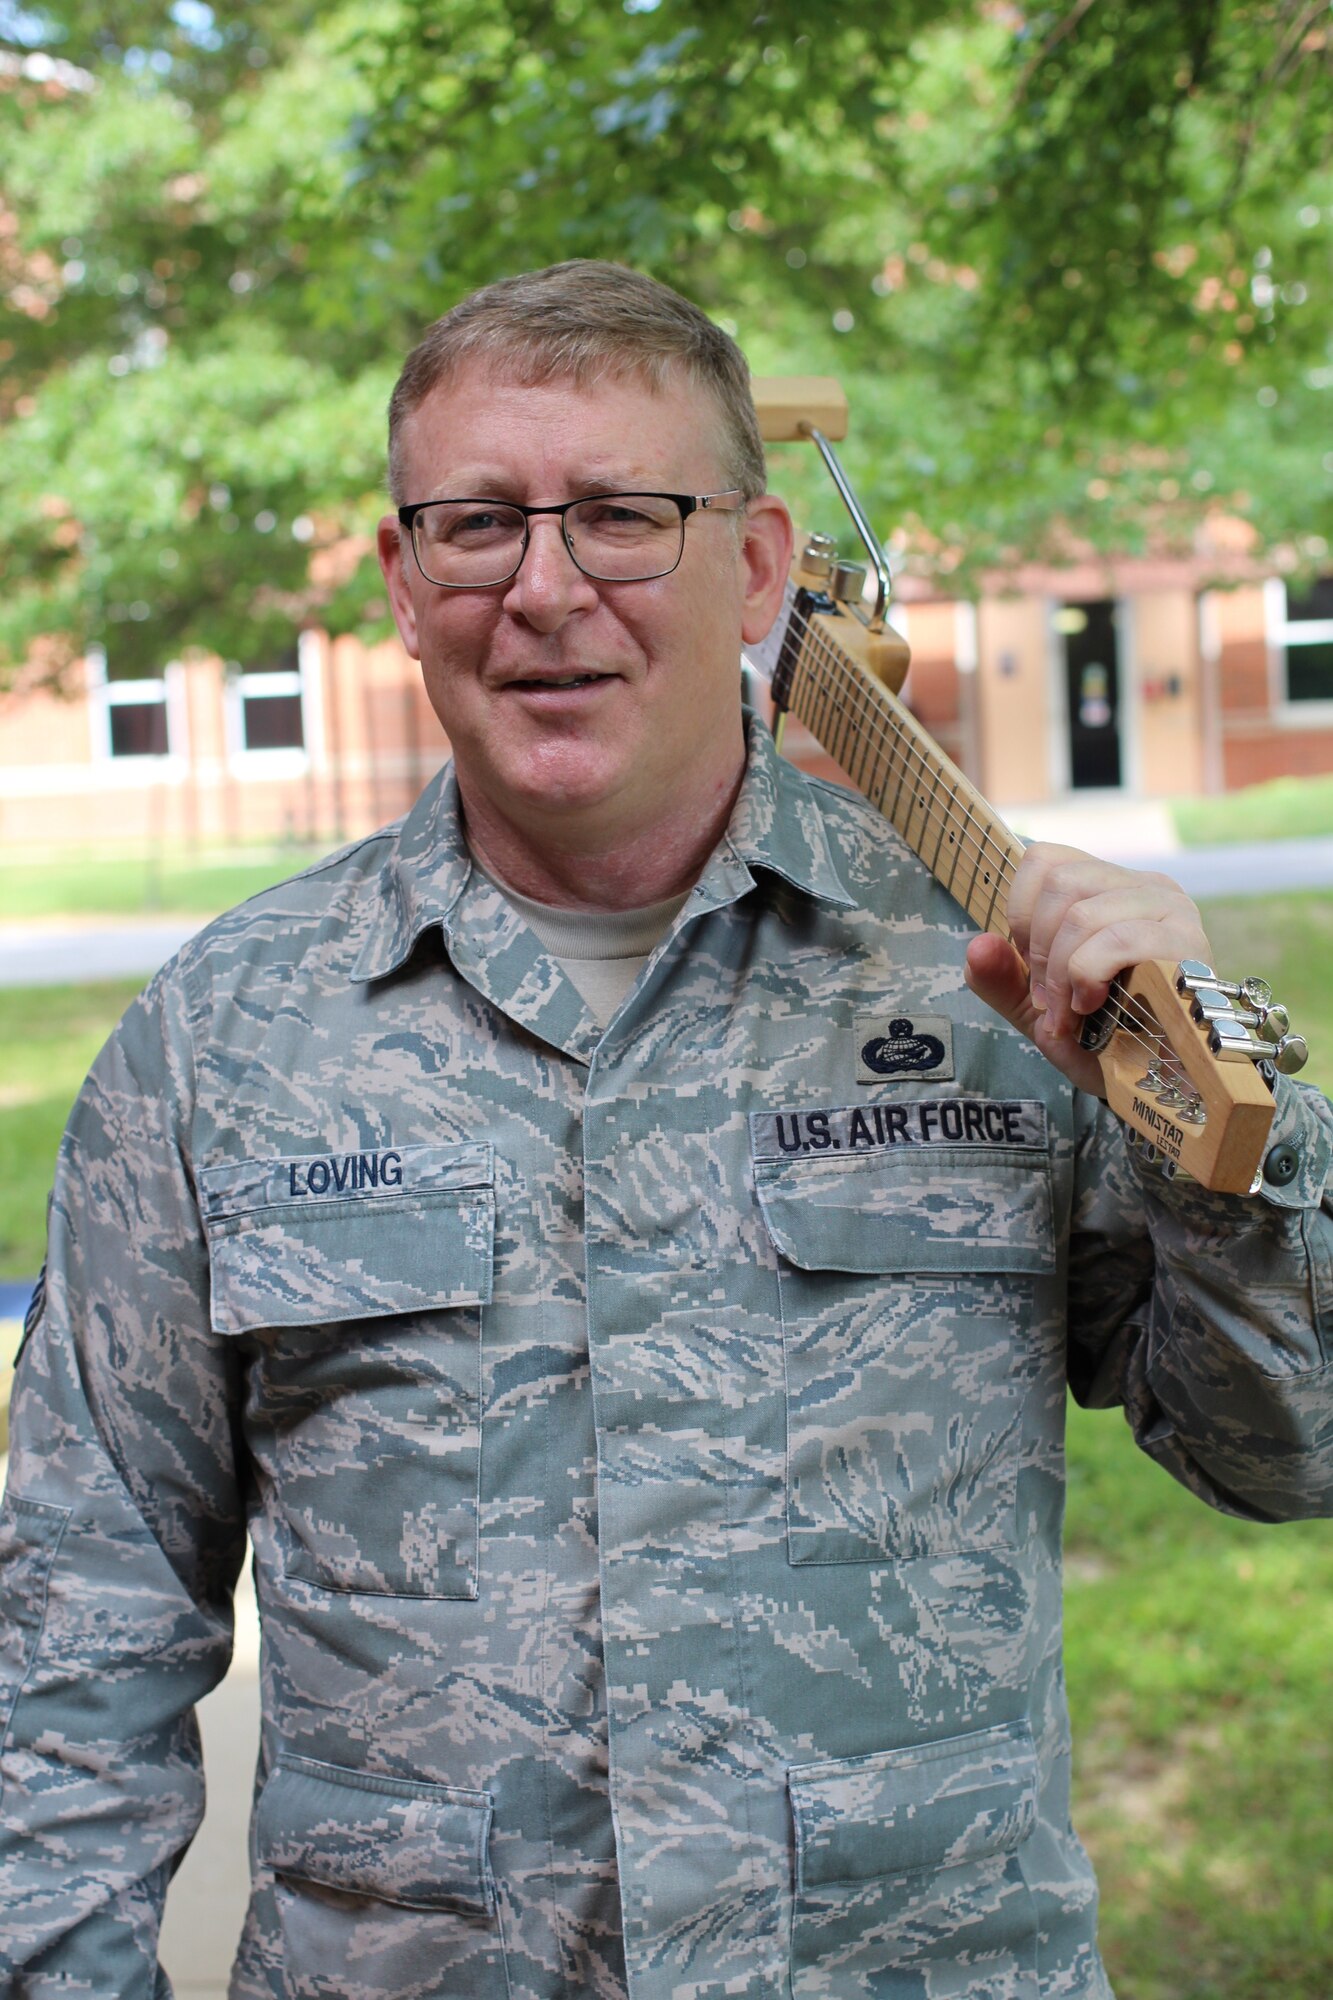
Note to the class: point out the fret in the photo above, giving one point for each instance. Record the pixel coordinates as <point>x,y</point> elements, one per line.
<point>955,839</point>
<point>837,720</point>
<point>886,753</point>
<point>878,783</point>
<point>866,719</point>
<point>856,718</point>
<point>942,816</point>
<point>825,698</point>
<point>989,924</point>
<point>970,905</point>
<point>917,836</point>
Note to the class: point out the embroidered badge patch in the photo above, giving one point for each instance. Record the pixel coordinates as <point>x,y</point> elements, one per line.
<point>890,1046</point>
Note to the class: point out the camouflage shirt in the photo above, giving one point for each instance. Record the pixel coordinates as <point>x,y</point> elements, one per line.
<point>651,1440</point>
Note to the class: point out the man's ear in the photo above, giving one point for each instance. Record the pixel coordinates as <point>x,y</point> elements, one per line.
<point>766,554</point>
<point>394,552</point>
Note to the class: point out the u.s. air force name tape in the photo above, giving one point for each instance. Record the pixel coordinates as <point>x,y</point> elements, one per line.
<point>922,1121</point>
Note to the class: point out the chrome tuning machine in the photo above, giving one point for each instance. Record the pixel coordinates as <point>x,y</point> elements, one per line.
<point>843,581</point>
<point>1244,1022</point>
<point>818,555</point>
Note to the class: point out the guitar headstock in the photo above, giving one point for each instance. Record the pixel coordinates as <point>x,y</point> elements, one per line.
<point>1184,1057</point>
<point>834,587</point>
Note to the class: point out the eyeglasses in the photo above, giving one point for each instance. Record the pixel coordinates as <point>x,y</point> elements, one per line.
<point>613,537</point>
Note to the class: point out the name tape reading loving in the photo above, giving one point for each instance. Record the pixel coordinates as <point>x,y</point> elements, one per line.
<point>351,1174</point>
<point>923,1121</point>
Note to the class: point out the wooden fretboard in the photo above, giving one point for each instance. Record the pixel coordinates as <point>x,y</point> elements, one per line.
<point>901,769</point>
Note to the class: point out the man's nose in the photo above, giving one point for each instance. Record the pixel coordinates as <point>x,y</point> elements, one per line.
<point>548,585</point>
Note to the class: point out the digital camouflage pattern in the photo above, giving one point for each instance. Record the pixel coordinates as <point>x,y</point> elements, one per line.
<point>651,1440</point>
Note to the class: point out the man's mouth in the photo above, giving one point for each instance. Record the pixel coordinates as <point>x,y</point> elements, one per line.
<point>560,683</point>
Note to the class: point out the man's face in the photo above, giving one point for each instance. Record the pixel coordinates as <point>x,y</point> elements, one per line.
<point>654,729</point>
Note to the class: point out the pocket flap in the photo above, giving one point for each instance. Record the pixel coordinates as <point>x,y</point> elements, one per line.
<point>419,1845</point>
<point>324,1238</point>
<point>860,1189</point>
<point>930,1806</point>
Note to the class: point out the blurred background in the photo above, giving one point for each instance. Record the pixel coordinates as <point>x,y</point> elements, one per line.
<point>1072,266</point>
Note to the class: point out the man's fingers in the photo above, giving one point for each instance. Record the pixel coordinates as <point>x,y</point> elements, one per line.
<point>997,975</point>
<point>1079,922</point>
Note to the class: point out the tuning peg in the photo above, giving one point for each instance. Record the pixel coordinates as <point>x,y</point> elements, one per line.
<point>1290,1054</point>
<point>1230,1041</point>
<point>1210,1003</point>
<point>1273,1022</point>
<point>1193,976</point>
<point>846,581</point>
<point>817,555</point>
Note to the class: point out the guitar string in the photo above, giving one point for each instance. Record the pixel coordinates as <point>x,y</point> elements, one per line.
<point>1124,1010</point>
<point>828,656</point>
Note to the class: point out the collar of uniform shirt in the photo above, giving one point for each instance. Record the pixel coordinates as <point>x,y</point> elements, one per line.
<point>774,828</point>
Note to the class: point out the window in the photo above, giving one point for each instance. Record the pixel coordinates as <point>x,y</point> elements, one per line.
<point>266,706</point>
<point>130,716</point>
<point>1301,624</point>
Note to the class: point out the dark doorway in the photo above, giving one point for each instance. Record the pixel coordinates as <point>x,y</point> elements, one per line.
<point>1092,682</point>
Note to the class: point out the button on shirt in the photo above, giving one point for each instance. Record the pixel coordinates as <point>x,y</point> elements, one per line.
<point>650,1434</point>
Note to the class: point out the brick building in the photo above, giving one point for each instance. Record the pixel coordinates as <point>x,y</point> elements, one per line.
<point>1122,676</point>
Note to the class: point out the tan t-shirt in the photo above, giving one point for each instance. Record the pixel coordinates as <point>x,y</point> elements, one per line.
<point>602,951</point>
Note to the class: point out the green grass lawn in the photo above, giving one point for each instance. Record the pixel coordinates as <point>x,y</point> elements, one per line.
<point>48,1037</point>
<point>134,884</point>
<point>1283,809</point>
<point>1198,1647</point>
<point>1198,1652</point>
<point>1288,940</point>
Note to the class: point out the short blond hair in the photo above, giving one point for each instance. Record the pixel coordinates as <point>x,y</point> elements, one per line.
<point>584,321</point>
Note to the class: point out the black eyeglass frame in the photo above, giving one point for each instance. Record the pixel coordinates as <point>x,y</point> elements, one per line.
<point>688,503</point>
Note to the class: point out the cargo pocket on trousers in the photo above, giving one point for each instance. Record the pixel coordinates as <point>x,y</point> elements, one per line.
<point>908,1871</point>
<point>383,1885</point>
<point>907,1286</point>
<point>363,1311</point>
<point>30,1534</point>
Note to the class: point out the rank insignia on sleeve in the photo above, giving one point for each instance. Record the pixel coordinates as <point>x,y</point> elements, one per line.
<point>890,1046</point>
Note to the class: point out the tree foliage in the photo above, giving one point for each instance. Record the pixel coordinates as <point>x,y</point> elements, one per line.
<point>1072,263</point>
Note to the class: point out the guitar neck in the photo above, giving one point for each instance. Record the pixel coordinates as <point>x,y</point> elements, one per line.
<point>902,770</point>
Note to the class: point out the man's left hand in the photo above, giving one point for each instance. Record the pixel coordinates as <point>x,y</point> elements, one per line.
<point>1076,923</point>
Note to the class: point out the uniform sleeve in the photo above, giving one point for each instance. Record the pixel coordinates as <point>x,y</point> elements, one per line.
<point>1209,1316</point>
<point>121,1535</point>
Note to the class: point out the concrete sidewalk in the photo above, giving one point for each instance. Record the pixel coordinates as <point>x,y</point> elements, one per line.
<point>55,951</point>
<point>1137,833</point>
<point>1103,823</point>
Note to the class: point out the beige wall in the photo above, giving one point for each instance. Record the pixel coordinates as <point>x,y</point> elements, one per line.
<point>1165,657</point>
<point>42,728</point>
<point>1014,723</point>
<point>371,744</point>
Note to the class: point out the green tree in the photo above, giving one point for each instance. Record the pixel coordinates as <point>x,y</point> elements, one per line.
<point>1073,265</point>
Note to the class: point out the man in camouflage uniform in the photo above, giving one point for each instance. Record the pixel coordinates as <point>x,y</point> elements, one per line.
<point>647,1411</point>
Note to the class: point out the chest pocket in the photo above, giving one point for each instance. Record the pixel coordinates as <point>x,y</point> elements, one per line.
<point>907,1274</point>
<point>360,1283</point>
